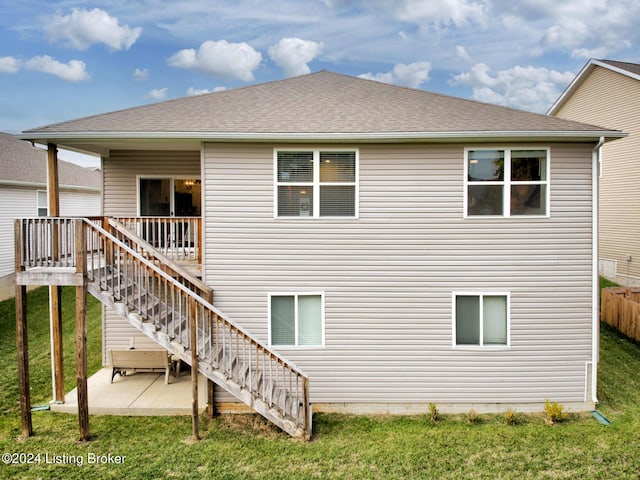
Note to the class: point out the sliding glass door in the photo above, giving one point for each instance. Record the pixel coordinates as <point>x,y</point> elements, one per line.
<point>169,197</point>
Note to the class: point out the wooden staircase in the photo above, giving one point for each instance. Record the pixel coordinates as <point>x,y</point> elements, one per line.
<point>173,308</point>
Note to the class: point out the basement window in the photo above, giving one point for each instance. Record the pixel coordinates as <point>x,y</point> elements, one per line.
<point>480,319</point>
<point>296,320</point>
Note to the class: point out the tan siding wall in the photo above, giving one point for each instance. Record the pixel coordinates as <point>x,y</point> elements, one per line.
<point>120,198</point>
<point>612,100</point>
<point>122,167</point>
<point>388,277</point>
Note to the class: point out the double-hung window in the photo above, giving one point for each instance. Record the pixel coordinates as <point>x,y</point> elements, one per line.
<point>316,183</point>
<point>43,202</point>
<point>507,182</point>
<point>296,320</point>
<point>480,319</point>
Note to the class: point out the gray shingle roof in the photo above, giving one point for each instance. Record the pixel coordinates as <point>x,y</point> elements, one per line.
<point>21,162</point>
<point>317,103</point>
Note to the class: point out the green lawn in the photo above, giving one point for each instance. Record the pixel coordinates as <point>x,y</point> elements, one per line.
<point>343,446</point>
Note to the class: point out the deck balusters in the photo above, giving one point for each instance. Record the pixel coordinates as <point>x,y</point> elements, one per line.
<point>161,294</point>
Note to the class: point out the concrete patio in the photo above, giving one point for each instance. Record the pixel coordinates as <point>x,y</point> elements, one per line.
<point>137,394</point>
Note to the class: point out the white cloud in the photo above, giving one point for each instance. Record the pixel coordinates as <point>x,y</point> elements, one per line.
<point>294,54</point>
<point>437,13</point>
<point>462,53</point>
<point>9,65</point>
<point>141,74</point>
<point>566,36</point>
<point>579,28</point>
<point>83,28</point>
<point>528,88</point>
<point>411,75</point>
<point>221,59</point>
<point>192,92</point>
<point>73,71</point>
<point>157,94</point>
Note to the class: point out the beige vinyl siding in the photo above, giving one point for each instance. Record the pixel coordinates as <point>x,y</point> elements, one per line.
<point>612,100</point>
<point>121,171</point>
<point>388,276</point>
<point>122,168</point>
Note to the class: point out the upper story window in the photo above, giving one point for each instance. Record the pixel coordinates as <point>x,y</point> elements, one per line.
<point>316,183</point>
<point>507,182</point>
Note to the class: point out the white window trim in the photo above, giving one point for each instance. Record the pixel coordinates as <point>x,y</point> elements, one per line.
<point>296,295</point>
<point>506,191</point>
<point>480,294</point>
<point>316,184</point>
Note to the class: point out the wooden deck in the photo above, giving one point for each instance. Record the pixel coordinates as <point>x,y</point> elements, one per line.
<point>143,283</point>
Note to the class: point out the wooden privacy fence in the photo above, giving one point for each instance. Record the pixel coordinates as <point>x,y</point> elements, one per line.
<point>620,308</point>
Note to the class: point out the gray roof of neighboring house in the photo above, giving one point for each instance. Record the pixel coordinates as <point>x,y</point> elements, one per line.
<point>20,162</point>
<point>322,105</point>
<point>629,67</point>
<point>631,70</point>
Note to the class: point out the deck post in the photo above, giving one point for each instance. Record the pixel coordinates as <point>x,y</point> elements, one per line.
<point>211,399</point>
<point>193,344</point>
<point>57,350</point>
<point>81,334</point>
<point>22,341</point>
<point>55,291</point>
<point>53,192</point>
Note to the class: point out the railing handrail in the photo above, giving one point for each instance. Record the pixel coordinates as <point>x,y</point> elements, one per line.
<point>159,256</point>
<point>196,298</point>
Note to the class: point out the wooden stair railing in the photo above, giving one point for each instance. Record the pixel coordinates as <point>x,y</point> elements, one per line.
<point>126,235</point>
<point>164,308</point>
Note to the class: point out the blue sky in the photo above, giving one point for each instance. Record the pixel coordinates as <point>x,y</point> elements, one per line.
<point>67,59</point>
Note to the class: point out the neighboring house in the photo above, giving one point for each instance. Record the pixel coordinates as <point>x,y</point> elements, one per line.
<point>401,247</point>
<point>23,193</point>
<point>607,93</point>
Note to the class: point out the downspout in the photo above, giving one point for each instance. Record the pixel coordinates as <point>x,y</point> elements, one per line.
<point>595,301</point>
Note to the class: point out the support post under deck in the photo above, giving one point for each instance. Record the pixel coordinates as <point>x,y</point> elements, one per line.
<point>22,340</point>
<point>55,291</point>
<point>81,335</point>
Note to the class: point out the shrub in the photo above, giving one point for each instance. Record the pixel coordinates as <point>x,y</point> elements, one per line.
<point>553,412</point>
<point>472,416</point>
<point>511,416</point>
<point>433,412</point>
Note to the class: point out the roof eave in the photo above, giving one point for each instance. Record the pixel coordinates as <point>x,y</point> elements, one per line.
<point>369,137</point>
